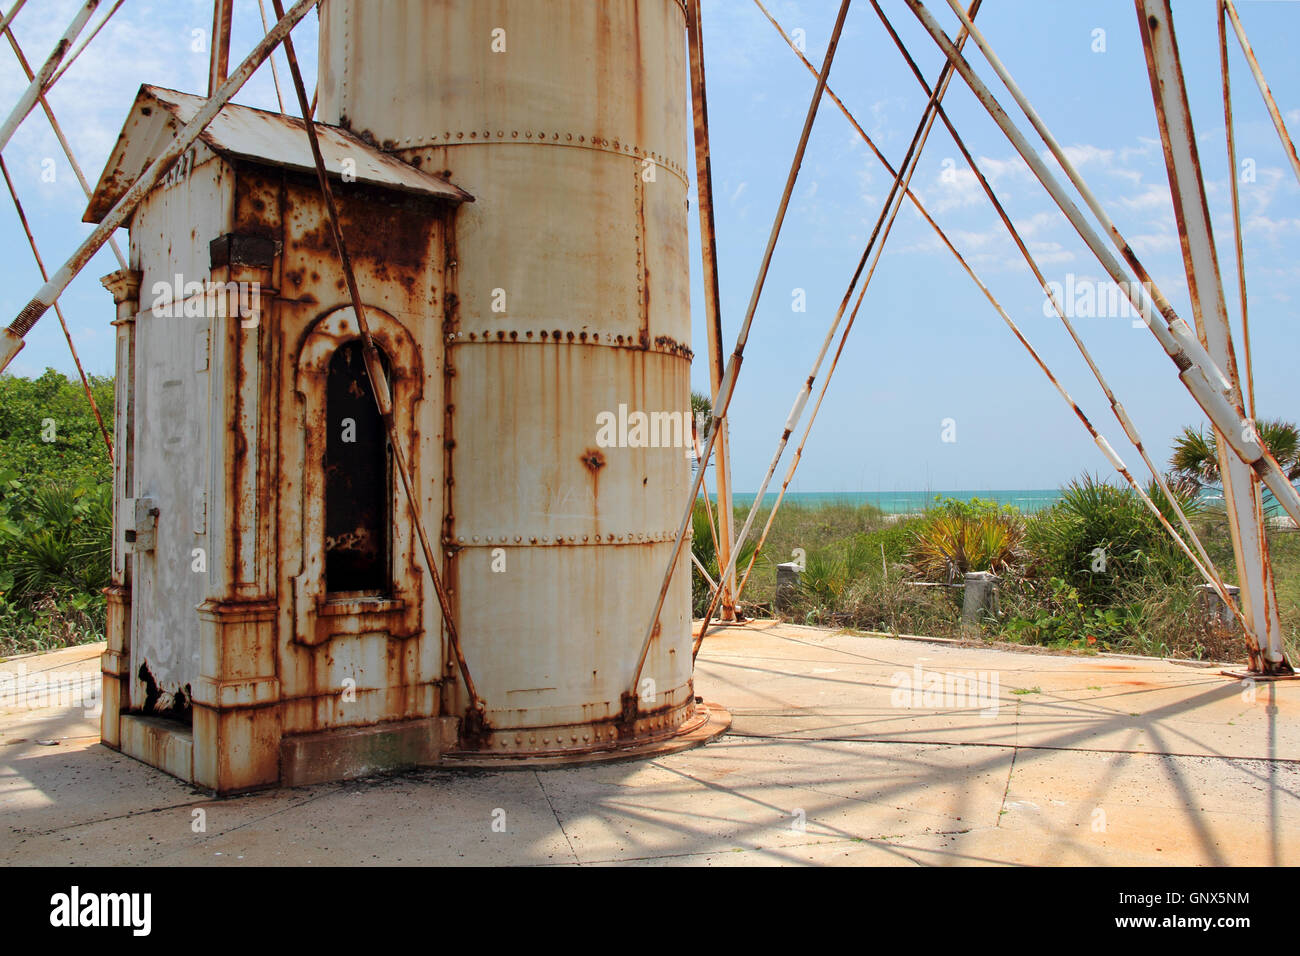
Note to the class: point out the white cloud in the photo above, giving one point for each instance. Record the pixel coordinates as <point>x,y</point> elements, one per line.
<point>956,185</point>
<point>1153,197</point>
<point>1152,243</point>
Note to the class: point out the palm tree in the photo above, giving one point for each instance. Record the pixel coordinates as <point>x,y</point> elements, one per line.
<point>701,411</point>
<point>1196,460</point>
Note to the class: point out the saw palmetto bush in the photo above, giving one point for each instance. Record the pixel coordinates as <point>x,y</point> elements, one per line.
<point>955,539</point>
<point>55,549</point>
<point>1100,538</point>
<point>56,537</point>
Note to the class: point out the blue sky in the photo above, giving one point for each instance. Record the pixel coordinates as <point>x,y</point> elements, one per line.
<point>927,345</point>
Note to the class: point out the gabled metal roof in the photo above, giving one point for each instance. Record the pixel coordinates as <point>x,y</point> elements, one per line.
<point>242,132</point>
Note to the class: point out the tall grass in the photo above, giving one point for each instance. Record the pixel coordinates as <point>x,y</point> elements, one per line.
<point>1096,571</point>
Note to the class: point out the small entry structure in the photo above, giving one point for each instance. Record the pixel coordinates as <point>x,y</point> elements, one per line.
<point>266,589</point>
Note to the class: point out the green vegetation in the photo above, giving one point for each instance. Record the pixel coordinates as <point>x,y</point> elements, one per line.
<point>963,536</point>
<point>56,508</point>
<point>1195,457</point>
<point>1096,571</point>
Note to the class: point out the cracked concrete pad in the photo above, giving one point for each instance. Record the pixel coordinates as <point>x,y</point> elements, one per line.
<point>825,764</point>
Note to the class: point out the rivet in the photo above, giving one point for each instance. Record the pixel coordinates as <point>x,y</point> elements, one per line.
<point>475,537</point>
<point>461,539</point>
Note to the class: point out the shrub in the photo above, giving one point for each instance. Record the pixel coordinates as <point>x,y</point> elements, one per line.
<point>1056,616</point>
<point>1098,538</point>
<point>48,430</point>
<point>959,536</point>
<point>55,551</point>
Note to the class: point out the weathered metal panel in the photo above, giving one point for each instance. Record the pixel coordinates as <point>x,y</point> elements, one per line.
<point>242,132</point>
<point>172,228</point>
<point>169,239</point>
<point>574,265</point>
<point>370,660</point>
<point>394,241</point>
<point>608,76</point>
<point>567,121</point>
<point>1241,487</point>
<point>557,531</point>
<point>543,457</point>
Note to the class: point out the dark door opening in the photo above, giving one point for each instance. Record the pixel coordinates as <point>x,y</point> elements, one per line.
<point>358,480</point>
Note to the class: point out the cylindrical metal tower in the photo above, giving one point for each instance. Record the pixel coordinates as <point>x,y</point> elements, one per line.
<point>567,359</point>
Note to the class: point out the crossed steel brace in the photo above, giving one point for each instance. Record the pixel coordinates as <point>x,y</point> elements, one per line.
<point>1199,365</point>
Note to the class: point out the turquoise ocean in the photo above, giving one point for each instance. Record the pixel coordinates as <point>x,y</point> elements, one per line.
<point>907,502</point>
<point>1027,501</point>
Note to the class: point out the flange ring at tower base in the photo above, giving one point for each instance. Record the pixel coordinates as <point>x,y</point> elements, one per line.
<point>705,721</point>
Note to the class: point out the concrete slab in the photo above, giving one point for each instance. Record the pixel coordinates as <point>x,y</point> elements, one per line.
<point>843,750</point>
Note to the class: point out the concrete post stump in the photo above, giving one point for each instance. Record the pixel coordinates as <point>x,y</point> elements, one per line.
<point>787,586</point>
<point>1214,613</point>
<point>979,600</point>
